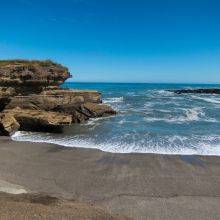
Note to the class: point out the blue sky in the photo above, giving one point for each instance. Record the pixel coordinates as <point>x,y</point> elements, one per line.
<point>117,40</point>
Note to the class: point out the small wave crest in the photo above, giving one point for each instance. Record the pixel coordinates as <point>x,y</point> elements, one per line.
<point>210,100</point>
<point>113,100</point>
<point>189,115</point>
<point>93,121</point>
<point>194,114</point>
<point>164,92</point>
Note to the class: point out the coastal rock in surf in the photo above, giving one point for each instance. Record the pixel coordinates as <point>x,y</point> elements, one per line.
<point>33,120</point>
<point>198,91</point>
<point>31,99</point>
<point>93,110</point>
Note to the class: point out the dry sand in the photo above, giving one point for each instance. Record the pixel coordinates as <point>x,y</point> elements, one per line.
<point>38,206</point>
<point>140,186</point>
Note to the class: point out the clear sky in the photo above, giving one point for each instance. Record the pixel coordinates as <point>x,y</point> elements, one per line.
<point>117,40</point>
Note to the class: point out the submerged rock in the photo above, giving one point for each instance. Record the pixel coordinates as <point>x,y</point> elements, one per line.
<point>200,91</point>
<point>31,99</point>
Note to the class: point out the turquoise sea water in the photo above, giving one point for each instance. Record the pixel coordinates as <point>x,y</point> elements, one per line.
<point>149,120</point>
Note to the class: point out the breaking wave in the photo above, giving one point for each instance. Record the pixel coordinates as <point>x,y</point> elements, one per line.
<point>190,115</point>
<point>210,100</point>
<point>149,120</point>
<point>113,100</point>
<point>199,145</point>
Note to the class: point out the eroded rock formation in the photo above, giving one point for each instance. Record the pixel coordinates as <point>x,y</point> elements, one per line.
<point>31,98</point>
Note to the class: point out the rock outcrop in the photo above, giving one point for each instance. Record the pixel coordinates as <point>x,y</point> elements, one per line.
<point>198,91</point>
<point>31,98</point>
<point>33,120</point>
<point>28,73</point>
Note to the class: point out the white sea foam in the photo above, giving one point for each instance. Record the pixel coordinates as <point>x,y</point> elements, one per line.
<point>182,145</point>
<point>113,100</point>
<point>164,110</point>
<point>121,122</point>
<point>177,120</point>
<point>214,100</point>
<point>194,114</point>
<point>93,121</point>
<point>133,94</point>
<point>172,120</point>
<point>163,92</point>
<point>190,115</point>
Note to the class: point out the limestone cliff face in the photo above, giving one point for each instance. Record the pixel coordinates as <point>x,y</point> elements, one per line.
<point>31,99</point>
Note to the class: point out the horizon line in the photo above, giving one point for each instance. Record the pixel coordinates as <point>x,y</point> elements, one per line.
<point>192,83</point>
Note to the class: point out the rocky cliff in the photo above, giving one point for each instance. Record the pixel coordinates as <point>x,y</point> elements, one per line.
<point>31,98</point>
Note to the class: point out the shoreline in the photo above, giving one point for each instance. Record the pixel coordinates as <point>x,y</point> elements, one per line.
<point>134,185</point>
<point>112,152</point>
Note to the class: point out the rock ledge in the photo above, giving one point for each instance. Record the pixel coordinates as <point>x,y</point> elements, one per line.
<point>31,98</point>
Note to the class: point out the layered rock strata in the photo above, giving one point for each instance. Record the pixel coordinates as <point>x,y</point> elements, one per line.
<point>31,98</point>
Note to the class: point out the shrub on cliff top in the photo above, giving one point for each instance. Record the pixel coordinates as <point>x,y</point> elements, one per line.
<point>24,62</point>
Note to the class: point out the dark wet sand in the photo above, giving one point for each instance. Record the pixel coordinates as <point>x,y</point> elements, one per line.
<point>141,186</point>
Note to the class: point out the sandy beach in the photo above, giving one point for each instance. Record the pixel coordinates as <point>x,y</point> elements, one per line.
<point>110,110</point>
<point>139,186</point>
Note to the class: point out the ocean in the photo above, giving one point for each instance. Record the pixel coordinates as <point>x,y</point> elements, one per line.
<point>149,120</point>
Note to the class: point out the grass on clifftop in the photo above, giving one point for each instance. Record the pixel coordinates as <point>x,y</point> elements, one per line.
<point>44,63</point>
